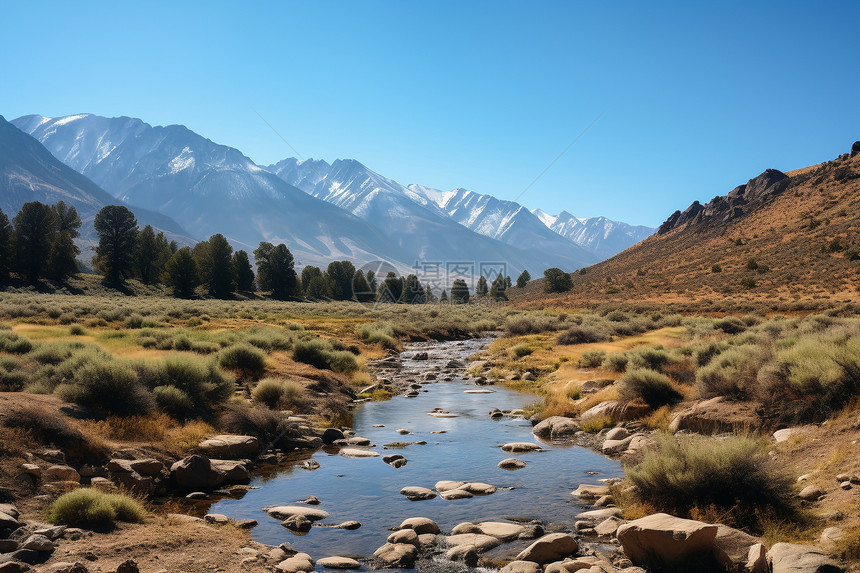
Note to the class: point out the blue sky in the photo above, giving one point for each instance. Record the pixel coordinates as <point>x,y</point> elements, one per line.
<point>693,98</point>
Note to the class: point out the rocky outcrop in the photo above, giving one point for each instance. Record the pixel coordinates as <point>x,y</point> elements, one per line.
<point>793,558</point>
<point>661,540</point>
<point>736,551</point>
<point>716,415</point>
<point>550,548</point>
<point>556,427</point>
<point>200,473</point>
<point>231,447</point>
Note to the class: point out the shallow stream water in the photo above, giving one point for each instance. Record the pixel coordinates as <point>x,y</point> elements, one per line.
<point>368,490</point>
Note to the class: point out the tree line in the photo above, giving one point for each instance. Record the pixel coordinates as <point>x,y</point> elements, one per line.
<point>39,244</point>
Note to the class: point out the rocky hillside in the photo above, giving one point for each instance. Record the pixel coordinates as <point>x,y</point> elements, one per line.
<point>785,240</point>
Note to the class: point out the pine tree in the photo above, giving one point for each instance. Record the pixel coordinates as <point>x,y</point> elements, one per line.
<point>413,292</point>
<point>497,290</point>
<point>508,283</point>
<point>523,279</point>
<point>203,259</point>
<point>318,288</point>
<point>66,219</point>
<point>61,259</point>
<point>146,255</point>
<point>341,274</point>
<point>429,297</point>
<point>180,272</point>
<point>459,292</point>
<point>34,226</point>
<point>371,281</point>
<point>361,288</point>
<point>557,280</point>
<point>244,272</point>
<point>443,298</point>
<point>481,288</point>
<point>222,276</point>
<point>275,270</point>
<point>391,289</point>
<point>117,230</point>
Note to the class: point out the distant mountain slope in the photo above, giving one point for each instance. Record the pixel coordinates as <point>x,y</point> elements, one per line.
<point>506,221</point>
<point>780,241</point>
<point>412,218</point>
<point>28,172</point>
<point>209,188</point>
<point>598,234</point>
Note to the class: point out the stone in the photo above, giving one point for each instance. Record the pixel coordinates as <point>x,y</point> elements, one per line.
<point>465,553</point>
<point>246,523</point>
<point>855,149</point>
<point>511,464</point>
<point>32,469</point>
<point>330,435</point>
<point>588,492</point>
<point>467,527</point>
<point>521,447</point>
<point>810,493</point>
<point>831,535</point>
<point>18,567</point>
<point>453,494</point>
<point>794,558</point>
<point>615,410</point>
<point>420,525</point>
<point>66,567</point>
<point>134,482</point>
<point>446,485</point>
<point>478,488</point>
<point>615,447</point>
<point>397,555</point>
<point>404,536</point>
<point>311,500</point>
<point>414,493</point>
<point>10,510</point>
<point>196,495</point>
<point>550,548</point>
<point>298,563</point>
<point>8,545</point>
<point>732,547</point>
<point>586,564</point>
<point>201,473</point>
<point>285,511</point>
<point>349,525</point>
<point>716,415</point>
<point>358,453</point>
<point>298,523</point>
<point>339,563</point>
<point>38,543</point>
<point>216,519</point>
<point>129,566</point>
<point>8,522</point>
<point>617,434</point>
<point>478,541</point>
<point>521,567</point>
<point>501,530</point>
<point>786,433</point>
<point>599,514</point>
<point>608,527</point>
<point>61,473</point>
<point>661,540</point>
<point>556,427</point>
<point>402,431</point>
<point>53,532</point>
<point>757,559</point>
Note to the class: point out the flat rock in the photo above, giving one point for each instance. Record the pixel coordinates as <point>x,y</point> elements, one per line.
<point>452,494</point>
<point>511,464</point>
<point>285,511</point>
<point>662,540</point>
<point>339,563</point>
<point>550,548</point>
<point>414,493</point>
<point>420,525</point>
<point>501,530</point>
<point>397,555</point>
<point>599,514</point>
<point>61,473</point>
<point>521,567</point>
<point>589,492</point>
<point>357,453</point>
<point>298,563</point>
<point>810,493</point>
<point>521,447</point>
<point>479,541</point>
<point>231,447</point>
<point>794,558</point>
<point>608,527</point>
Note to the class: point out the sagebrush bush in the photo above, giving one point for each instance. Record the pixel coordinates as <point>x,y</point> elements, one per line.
<point>173,401</point>
<point>592,358</point>
<point>14,344</point>
<point>276,392</point>
<point>108,387</point>
<point>202,381</point>
<point>87,507</point>
<point>650,386</point>
<point>616,361</point>
<point>521,326</point>
<point>521,350</point>
<point>651,357</point>
<point>321,354</point>
<point>730,325</point>
<point>582,335</point>
<point>265,424</point>
<point>378,333</point>
<point>733,372</point>
<point>77,330</point>
<point>244,358</point>
<point>688,472</point>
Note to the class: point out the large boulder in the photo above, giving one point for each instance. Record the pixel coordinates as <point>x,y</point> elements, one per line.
<point>716,415</point>
<point>662,540</point>
<point>298,563</point>
<point>521,567</point>
<point>61,473</point>
<point>732,549</point>
<point>855,149</point>
<point>231,447</point>
<point>199,473</point>
<point>478,541</point>
<point>617,411</point>
<point>556,427</point>
<point>420,525</point>
<point>793,558</point>
<point>550,548</point>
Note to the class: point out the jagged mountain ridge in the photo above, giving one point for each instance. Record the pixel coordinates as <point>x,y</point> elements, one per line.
<point>29,172</point>
<point>209,188</point>
<point>598,234</point>
<point>429,228</point>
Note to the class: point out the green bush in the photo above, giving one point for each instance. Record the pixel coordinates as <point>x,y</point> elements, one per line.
<point>732,372</point>
<point>275,393</point>
<point>265,424</point>
<point>531,325</point>
<point>730,325</point>
<point>94,508</point>
<point>244,358</point>
<point>616,361</point>
<point>650,386</point>
<point>704,354</point>
<point>108,387</point>
<point>14,344</point>
<point>592,358</point>
<point>321,354</point>
<point>521,350</point>
<point>201,381</point>
<point>651,357</point>
<point>582,335</point>
<point>77,330</point>
<point>378,333</point>
<point>173,401</point>
<point>734,474</point>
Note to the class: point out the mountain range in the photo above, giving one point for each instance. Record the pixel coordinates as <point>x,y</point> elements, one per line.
<point>322,211</point>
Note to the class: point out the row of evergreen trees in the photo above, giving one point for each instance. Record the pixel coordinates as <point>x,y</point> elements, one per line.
<point>39,243</point>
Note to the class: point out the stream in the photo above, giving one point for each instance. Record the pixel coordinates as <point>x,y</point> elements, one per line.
<point>368,490</point>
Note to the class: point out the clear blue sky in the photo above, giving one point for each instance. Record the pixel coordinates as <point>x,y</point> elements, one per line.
<point>696,97</point>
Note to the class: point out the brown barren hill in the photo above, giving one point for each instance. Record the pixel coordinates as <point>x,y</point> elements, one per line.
<point>782,241</point>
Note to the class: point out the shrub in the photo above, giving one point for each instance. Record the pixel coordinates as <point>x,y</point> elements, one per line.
<point>557,280</point>
<point>321,354</point>
<point>134,321</point>
<point>705,354</point>
<point>582,335</point>
<point>276,393</point>
<point>14,344</point>
<point>732,372</point>
<point>49,429</point>
<point>592,358</point>
<point>521,350</point>
<point>269,426</point>
<point>531,325</point>
<point>648,385</point>
<point>594,424</point>
<point>730,325</point>
<point>378,333</point>
<point>716,268</point>
<point>77,330</point>
<point>91,507</point>
<point>202,382</point>
<point>173,401</point>
<point>248,360</point>
<point>652,357</point>
<point>693,472</point>
<point>108,387</point>
<point>616,361</point>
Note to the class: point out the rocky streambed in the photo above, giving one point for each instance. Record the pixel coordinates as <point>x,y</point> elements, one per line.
<point>433,451</point>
